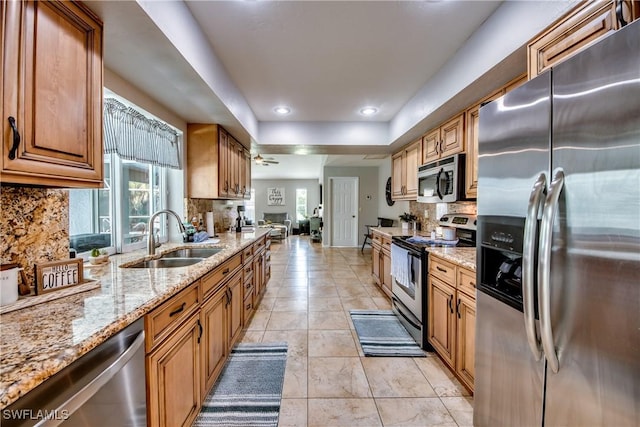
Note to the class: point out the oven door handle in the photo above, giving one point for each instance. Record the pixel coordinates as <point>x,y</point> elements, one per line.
<point>411,322</point>
<point>411,272</point>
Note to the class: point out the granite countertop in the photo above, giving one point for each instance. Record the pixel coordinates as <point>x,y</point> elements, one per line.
<point>466,257</point>
<point>38,341</point>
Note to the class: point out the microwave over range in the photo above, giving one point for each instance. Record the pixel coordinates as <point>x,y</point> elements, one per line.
<point>442,180</point>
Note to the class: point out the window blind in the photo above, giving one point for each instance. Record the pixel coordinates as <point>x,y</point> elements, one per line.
<point>134,136</point>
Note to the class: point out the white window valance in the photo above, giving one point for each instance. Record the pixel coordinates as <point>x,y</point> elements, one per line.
<point>134,136</point>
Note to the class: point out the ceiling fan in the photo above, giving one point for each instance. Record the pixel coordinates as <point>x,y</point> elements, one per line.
<point>265,161</point>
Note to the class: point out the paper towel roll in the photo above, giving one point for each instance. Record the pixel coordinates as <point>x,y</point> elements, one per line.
<point>211,231</point>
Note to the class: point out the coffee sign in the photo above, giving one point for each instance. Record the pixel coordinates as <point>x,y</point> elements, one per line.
<point>55,275</point>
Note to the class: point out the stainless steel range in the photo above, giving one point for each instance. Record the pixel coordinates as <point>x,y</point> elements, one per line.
<point>409,270</point>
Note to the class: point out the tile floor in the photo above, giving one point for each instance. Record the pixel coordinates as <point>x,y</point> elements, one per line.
<point>328,382</point>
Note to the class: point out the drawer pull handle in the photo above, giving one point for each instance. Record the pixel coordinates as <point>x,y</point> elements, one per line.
<point>441,269</point>
<point>248,306</point>
<point>473,284</point>
<point>225,271</point>
<point>16,138</point>
<point>178,310</point>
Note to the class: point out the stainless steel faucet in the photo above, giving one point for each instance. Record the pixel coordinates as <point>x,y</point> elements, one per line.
<point>151,238</point>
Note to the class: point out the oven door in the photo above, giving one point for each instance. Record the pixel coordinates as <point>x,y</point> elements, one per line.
<point>410,293</point>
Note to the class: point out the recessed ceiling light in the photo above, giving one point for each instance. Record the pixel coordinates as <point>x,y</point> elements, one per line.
<point>368,111</point>
<point>282,110</point>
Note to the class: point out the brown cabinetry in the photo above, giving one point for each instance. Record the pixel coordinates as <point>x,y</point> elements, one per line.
<point>51,94</point>
<point>581,27</point>
<point>174,377</point>
<point>218,166</point>
<point>404,172</point>
<point>189,337</point>
<point>471,127</point>
<point>381,260</point>
<point>213,317</point>
<point>452,316</point>
<point>446,140</point>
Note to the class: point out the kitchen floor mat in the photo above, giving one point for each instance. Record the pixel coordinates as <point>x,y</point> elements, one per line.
<point>381,334</point>
<point>249,389</point>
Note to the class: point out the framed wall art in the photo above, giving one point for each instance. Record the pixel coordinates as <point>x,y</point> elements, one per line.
<point>275,196</point>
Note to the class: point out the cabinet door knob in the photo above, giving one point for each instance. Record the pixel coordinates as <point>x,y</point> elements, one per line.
<point>16,138</point>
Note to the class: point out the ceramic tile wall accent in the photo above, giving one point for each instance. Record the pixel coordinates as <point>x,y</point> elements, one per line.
<point>436,210</point>
<point>34,226</point>
<point>224,211</point>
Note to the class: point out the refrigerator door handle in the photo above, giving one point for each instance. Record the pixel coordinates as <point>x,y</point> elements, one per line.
<point>544,265</point>
<point>528,257</point>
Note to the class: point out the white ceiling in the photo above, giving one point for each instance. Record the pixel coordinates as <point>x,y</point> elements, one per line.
<point>232,62</point>
<point>309,166</point>
<point>328,59</point>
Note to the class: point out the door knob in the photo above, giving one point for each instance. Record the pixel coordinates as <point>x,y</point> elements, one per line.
<point>353,216</point>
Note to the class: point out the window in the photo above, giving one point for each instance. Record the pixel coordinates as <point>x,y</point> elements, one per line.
<point>250,207</point>
<point>301,204</point>
<point>115,218</point>
<point>138,152</point>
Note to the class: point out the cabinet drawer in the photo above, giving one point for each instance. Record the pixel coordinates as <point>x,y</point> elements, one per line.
<point>163,320</point>
<point>259,246</point>
<point>225,270</point>
<point>442,269</point>
<point>247,254</point>
<point>248,285</point>
<point>467,282</point>
<point>386,243</point>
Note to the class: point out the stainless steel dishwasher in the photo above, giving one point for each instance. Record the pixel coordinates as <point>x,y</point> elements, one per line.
<point>104,388</point>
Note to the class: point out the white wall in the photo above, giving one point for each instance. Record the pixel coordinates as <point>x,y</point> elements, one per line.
<point>290,186</point>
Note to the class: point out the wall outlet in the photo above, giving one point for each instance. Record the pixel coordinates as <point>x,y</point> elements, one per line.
<point>426,214</point>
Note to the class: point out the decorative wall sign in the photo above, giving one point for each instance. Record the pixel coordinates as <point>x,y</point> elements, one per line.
<point>55,275</point>
<point>275,196</point>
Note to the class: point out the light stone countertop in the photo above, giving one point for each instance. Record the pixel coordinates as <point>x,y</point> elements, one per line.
<point>466,257</point>
<point>39,341</point>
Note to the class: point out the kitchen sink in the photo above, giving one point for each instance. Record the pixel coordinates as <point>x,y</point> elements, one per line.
<point>166,263</point>
<point>191,253</point>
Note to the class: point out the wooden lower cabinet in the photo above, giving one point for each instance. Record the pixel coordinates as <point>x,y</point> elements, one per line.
<point>173,376</point>
<point>235,308</point>
<point>452,317</point>
<point>465,338</point>
<point>381,261</point>
<point>442,319</point>
<point>386,272</point>
<point>213,317</point>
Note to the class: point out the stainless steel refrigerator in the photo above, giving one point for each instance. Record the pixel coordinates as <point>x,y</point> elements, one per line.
<point>558,304</point>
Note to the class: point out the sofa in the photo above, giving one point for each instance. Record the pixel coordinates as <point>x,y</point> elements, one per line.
<point>276,218</point>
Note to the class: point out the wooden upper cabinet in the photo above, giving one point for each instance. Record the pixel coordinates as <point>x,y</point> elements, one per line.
<point>581,27</point>
<point>446,140</point>
<point>404,172</point>
<point>473,119</point>
<point>216,163</point>
<point>52,94</point>
<point>246,173</point>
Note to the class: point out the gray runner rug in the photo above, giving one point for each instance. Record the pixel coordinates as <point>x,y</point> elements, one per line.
<point>249,389</point>
<point>381,334</point>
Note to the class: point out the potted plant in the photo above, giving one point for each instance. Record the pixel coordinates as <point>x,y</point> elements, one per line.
<point>98,256</point>
<point>406,219</point>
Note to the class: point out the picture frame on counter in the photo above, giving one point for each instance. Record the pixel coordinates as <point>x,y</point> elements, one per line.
<point>55,275</point>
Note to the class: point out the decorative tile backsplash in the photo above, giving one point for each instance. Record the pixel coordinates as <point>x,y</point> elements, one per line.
<point>34,226</point>
<point>437,210</point>
<point>224,211</point>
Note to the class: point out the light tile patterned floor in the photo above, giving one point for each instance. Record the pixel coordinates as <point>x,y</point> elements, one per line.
<point>328,382</point>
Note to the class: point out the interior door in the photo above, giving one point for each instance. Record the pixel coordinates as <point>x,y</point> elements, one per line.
<point>344,211</point>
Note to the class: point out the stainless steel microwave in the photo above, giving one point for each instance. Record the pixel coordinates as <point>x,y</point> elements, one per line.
<point>441,181</point>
